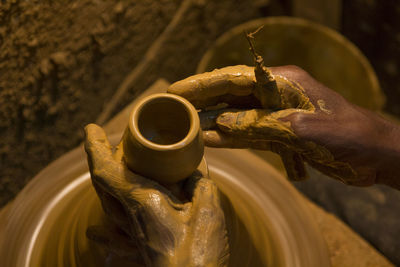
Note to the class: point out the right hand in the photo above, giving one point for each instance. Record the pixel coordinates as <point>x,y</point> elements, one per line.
<point>299,118</point>
<point>151,226</point>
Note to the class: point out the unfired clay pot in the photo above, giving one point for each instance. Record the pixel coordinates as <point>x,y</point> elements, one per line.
<point>163,140</point>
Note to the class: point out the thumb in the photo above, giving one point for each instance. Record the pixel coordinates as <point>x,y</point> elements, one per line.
<point>293,162</point>
<point>97,146</point>
<point>205,194</point>
<point>104,170</point>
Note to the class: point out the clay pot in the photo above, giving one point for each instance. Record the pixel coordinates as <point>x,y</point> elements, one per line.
<point>163,140</point>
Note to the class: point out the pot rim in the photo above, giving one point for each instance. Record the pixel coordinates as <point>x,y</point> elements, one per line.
<point>194,120</point>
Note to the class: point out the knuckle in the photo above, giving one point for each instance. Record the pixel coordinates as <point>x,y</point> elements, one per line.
<point>294,68</point>
<point>299,122</point>
<point>297,118</point>
<point>295,72</point>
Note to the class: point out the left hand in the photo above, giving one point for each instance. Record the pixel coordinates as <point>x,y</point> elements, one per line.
<point>151,225</point>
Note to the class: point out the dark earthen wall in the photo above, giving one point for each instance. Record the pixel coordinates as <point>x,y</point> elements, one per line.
<point>60,61</point>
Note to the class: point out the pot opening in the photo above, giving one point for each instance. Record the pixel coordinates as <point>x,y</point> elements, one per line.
<point>164,121</point>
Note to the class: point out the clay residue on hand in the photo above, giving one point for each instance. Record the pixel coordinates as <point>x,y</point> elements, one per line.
<point>207,89</point>
<point>322,106</point>
<point>165,230</point>
<point>275,91</point>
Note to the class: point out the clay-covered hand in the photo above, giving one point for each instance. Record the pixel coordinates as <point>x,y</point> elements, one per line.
<point>152,226</point>
<point>285,110</point>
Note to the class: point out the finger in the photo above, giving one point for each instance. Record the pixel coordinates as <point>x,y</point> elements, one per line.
<point>258,125</point>
<point>113,242</point>
<point>105,171</point>
<point>113,208</point>
<point>108,169</point>
<point>337,170</point>
<point>292,161</point>
<point>208,216</point>
<point>234,80</point>
<point>205,194</point>
<point>208,118</point>
<point>96,143</point>
<point>119,151</point>
<point>221,140</point>
<point>215,138</point>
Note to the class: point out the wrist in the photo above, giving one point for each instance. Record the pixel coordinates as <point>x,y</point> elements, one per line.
<point>388,169</point>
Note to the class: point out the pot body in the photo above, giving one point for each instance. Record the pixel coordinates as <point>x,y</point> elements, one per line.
<point>163,140</point>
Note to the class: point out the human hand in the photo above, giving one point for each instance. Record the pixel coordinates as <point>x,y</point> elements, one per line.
<point>150,225</point>
<point>285,110</point>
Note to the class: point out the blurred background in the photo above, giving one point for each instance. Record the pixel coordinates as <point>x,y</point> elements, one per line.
<point>61,62</point>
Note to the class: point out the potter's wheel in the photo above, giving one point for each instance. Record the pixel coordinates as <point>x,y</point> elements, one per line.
<point>46,224</point>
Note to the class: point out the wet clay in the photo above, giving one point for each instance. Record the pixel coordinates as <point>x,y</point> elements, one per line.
<point>161,230</point>
<point>163,140</point>
<point>257,127</point>
<point>270,99</point>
